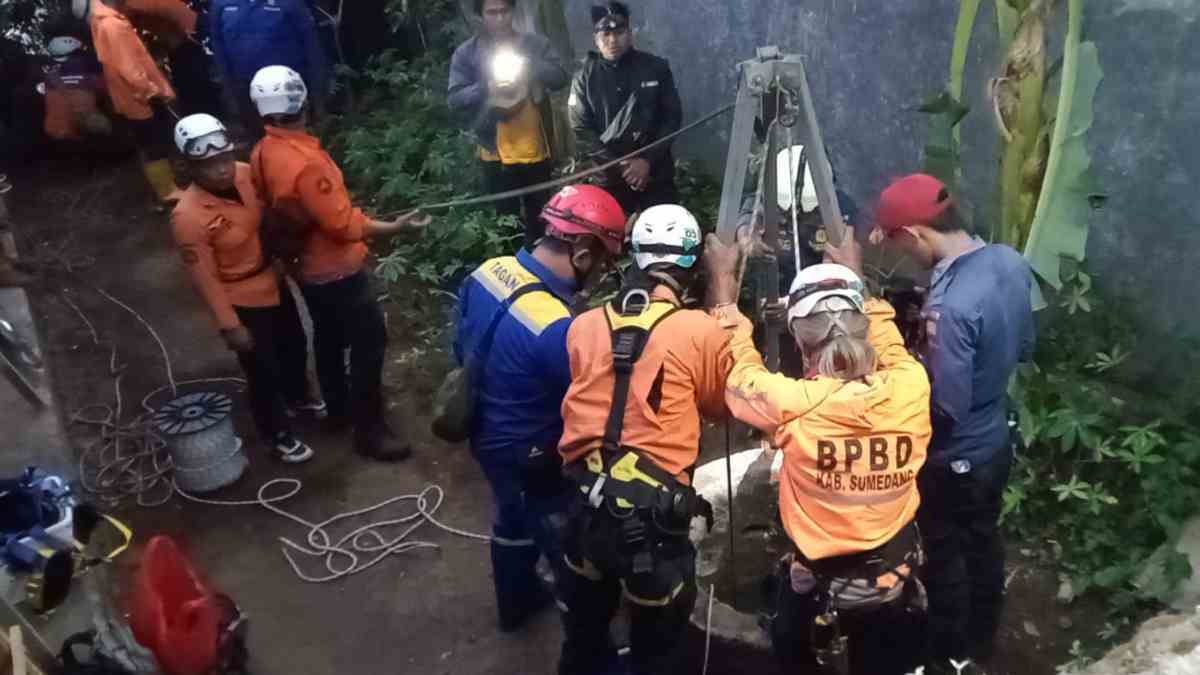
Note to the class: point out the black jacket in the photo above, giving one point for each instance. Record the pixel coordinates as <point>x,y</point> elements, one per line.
<point>616,108</point>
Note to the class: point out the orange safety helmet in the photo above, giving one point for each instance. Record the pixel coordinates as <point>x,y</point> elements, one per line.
<point>586,210</point>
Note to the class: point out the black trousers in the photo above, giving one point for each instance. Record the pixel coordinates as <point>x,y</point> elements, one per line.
<point>660,600</point>
<point>885,641</point>
<point>276,368</point>
<point>499,177</point>
<point>345,314</point>
<point>191,74</point>
<point>959,518</point>
<point>153,135</point>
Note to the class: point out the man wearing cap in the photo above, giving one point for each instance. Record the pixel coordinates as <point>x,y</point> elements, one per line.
<point>623,100</point>
<point>498,84</point>
<point>977,325</point>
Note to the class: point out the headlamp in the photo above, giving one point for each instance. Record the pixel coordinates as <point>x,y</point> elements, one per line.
<point>507,66</point>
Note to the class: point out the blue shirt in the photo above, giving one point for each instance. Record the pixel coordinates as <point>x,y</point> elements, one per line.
<point>251,34</point>
<point>978,324</point>
<point>527,371</point>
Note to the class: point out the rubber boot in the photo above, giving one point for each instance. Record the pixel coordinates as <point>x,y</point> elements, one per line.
<point>377,441</point>
<point>161,177</point>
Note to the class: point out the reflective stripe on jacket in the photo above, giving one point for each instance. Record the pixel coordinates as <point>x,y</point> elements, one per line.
<point>527,370</point>
<point>218,240</point>
<point>132,76</point>
<point>679,377</point>
<point>851,450</point>
<point>302,181</point>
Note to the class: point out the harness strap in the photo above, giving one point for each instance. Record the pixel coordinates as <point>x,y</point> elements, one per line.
<point>629,339</point>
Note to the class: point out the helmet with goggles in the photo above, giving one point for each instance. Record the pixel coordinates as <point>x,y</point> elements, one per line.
<point>818,282</point>
<point>202,136</point>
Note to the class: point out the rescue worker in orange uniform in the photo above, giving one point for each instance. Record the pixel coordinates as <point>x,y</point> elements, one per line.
<point>139,90</point>
<point>303,187</point>
<point>216,225</point>
<point>174,25</point>
<point>74,89</point>
<point>854,434</point>
<point>643,371</point>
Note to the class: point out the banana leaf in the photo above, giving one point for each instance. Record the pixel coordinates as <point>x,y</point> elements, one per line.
<point>1060,223</point>
<point>968,10</point>
<point>941,151</point>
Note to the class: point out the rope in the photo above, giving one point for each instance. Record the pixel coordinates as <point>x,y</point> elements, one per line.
<point>130,460</point>
<point>565,180</point>
<point>712,590</point>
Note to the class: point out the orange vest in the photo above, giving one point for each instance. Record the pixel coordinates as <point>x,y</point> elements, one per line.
<point>679,376</point>
<point>851,450</point>
<point>298,178</point>
<point>219,243</point>
<point>132,76</point>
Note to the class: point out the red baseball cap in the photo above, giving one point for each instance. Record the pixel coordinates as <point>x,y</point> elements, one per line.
<point>914,199</point>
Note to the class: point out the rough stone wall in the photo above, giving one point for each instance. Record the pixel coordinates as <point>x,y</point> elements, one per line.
<point>870,64</point>
<point>1164,645</point>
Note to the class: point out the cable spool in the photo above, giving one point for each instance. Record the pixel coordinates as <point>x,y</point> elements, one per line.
<point>198,429</point>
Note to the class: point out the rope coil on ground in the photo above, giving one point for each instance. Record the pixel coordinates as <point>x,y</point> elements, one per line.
<point>130,460</point>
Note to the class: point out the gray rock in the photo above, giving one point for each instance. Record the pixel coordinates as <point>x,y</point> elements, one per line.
<point>1165,645</point>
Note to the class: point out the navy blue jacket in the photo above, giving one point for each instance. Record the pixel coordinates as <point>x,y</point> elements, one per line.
<point>527,372</point>
<point>248,35</point>
<point>978,324</point>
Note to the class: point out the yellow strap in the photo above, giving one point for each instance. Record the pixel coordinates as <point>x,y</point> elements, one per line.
<point>125,532</point>
<point>650,602</point>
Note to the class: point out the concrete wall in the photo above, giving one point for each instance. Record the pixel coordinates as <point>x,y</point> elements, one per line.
<point>870,63</point>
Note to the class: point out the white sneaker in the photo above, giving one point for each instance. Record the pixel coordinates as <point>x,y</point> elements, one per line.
<point>289,449</point>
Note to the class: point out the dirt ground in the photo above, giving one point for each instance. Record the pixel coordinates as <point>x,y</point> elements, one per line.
<point>425,611</point>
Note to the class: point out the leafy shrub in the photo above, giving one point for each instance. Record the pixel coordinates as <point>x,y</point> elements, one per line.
<point>1107,475</point>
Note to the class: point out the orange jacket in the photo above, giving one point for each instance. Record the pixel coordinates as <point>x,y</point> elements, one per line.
<point>171,20</point>
<point>299,179</point>
<point>682,368</point>
<point>72,94</point>
<point>851,450</point>
<point>218,241</point>
<point>132,76</point>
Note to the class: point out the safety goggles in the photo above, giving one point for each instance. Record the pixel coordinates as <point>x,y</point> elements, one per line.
<point>208,145</point>
<point>825,285</point>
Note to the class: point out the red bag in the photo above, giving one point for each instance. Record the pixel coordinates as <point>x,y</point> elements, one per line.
<point>174,614</point>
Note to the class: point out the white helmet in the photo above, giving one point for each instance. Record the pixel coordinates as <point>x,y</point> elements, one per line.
<point>667,233</point>
<point>81,8</point>
<point>63,46</point>
<point>818,282</point>
<point>201,136</point>
<point>278,90</point>
<point>788,175</point>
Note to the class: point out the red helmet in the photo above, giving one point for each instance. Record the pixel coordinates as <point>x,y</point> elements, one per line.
<point>586,209</point>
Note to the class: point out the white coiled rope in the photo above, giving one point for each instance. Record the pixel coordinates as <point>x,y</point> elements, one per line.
<point>129,460</point>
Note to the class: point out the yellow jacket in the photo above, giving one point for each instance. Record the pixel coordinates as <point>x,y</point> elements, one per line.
<point>851,450</point>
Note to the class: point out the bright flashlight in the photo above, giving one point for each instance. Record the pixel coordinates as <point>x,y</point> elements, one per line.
<point>507,66</point>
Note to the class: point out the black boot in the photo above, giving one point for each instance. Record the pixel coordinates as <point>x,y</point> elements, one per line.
<point>377,441</point>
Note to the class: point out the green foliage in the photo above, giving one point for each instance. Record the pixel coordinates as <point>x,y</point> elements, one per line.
<point>406,149</point>
<point>21,20</point>
<point>1107,477</point>
<point>1060,224</point>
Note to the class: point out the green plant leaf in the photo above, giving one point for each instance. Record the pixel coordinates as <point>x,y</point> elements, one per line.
<point>1060,223</point>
